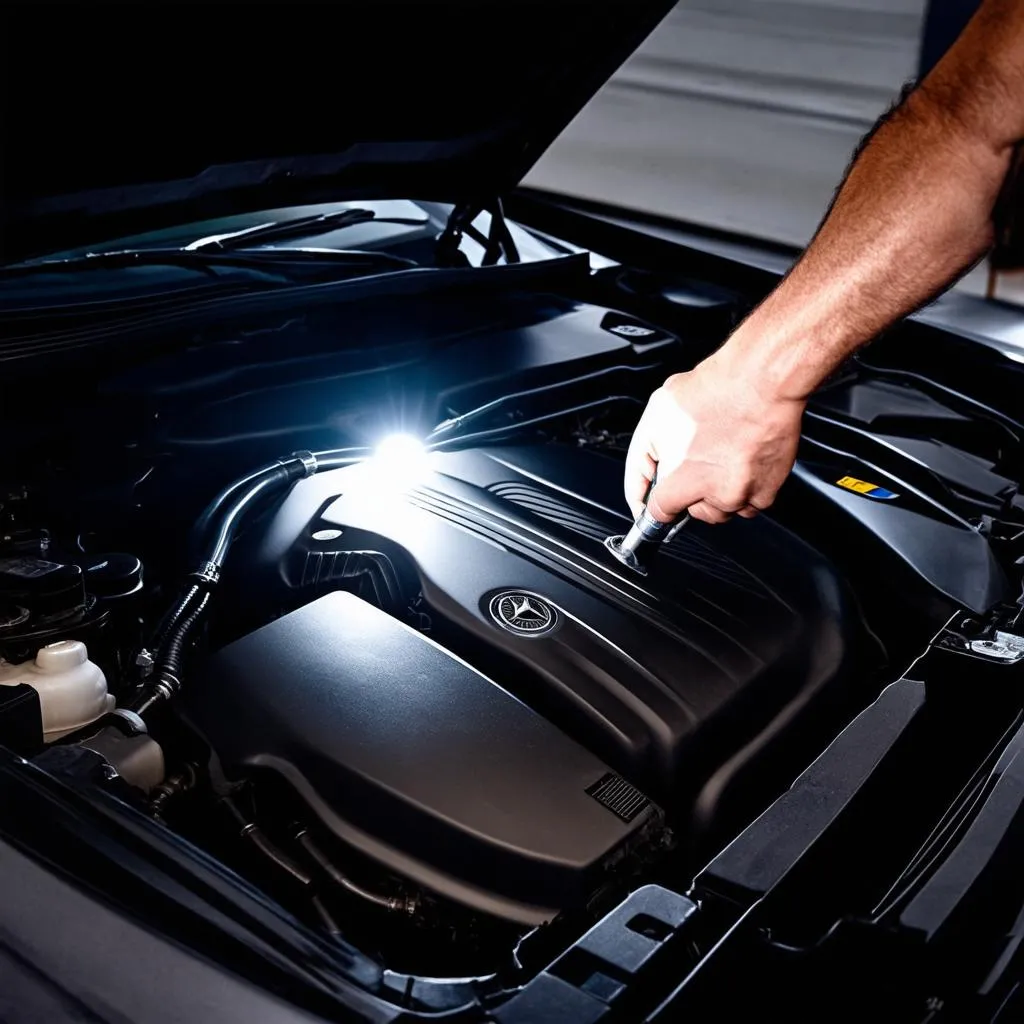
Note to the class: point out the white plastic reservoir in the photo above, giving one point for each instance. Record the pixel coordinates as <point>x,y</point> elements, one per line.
<point>72,689</point>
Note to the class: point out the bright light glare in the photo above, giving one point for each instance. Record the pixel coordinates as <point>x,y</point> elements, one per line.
<point>399,461</point>
<point>400,451</point>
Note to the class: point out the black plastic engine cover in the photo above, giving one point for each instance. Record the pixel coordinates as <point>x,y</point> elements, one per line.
<point>674,679</point>
<point>414,758</point>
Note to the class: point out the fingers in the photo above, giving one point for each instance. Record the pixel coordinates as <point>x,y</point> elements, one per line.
<point>638,483</point>
<point>675,494</point>
<point>640,470</point>
<point>716,446</point>
<point>708,513</point>
<point>708,510</point>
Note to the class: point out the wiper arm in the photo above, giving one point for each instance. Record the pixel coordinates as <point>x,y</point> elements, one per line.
<point>263,261</point>
<point>295,227</point>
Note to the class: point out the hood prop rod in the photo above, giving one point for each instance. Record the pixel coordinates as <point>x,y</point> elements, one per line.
<point>497,243</point>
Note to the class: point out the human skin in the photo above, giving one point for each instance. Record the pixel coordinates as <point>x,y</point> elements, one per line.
<point>914,212</point>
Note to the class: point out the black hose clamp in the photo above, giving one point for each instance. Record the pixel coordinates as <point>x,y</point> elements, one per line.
<point>208,572</point>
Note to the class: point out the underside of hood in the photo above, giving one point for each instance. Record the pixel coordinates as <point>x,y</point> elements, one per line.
<point>126,118</point>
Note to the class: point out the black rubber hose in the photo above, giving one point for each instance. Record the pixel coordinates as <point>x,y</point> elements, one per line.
<point>232,508</point>
<point>252,833</point>
<point>227,510</point>
<point>167,677</point>
<point>336,458</point>
<point>227,497</point>
<point>178,638</point>
<point>172,787</point>
<point>172,618</point>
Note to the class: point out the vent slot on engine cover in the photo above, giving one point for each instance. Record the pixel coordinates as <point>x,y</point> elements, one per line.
<point>620,797</point>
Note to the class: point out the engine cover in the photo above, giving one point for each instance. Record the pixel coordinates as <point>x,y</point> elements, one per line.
<point>412,757</point>
<point>675,679</point>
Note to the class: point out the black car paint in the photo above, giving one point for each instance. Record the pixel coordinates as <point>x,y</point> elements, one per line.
<point>829,872</point>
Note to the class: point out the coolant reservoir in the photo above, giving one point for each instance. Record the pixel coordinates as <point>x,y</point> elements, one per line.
<point>72,689</point>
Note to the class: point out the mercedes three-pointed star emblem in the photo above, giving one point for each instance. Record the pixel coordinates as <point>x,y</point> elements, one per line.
<point>522,613</point>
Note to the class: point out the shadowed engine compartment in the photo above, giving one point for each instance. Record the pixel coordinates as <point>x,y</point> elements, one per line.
<point>417,704</point>
<point>664,678</point>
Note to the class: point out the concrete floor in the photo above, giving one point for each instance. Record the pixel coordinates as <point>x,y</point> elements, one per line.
<point>740,114</point>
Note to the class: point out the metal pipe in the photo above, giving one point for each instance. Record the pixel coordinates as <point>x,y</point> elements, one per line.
<point>498,433</point>
<point>181,782</point>
<point>251,832</point>
<point>401,904</point>
<point>326,919</point>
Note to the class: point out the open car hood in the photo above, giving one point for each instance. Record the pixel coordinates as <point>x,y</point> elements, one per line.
<point>121,120</point>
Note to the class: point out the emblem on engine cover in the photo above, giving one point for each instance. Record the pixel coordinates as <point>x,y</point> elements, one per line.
<point>522,613</point>
<point>631,330</point>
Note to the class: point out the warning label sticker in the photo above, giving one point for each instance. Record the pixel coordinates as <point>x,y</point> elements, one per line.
<point>864,487</point>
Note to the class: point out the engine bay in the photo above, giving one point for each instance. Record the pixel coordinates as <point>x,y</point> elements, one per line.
<point>402,688</point>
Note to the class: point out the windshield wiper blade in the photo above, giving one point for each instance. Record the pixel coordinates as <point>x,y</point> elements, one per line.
<point>295,227</point>
<point>263,261</point>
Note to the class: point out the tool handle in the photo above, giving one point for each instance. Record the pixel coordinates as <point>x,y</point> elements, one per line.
<point>649,528</point>
<point>677,526</point>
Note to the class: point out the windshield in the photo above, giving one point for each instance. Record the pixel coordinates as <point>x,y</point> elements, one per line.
<point>380,231</point>
<point>263,249</point>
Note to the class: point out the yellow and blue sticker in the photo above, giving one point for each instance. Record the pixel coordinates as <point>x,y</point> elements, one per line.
<point>868,490</point>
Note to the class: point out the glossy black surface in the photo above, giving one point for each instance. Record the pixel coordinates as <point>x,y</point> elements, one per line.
<point>893,854</point>
<point>662,676</point>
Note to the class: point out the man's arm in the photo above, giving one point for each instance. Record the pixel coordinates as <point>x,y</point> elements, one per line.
<point>915,212</point>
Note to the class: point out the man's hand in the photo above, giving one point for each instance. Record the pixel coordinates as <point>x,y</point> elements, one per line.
<point>915,211</point>
<point>721,445</point>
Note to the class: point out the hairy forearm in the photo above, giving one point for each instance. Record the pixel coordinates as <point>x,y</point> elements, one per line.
<point>914,212</point>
